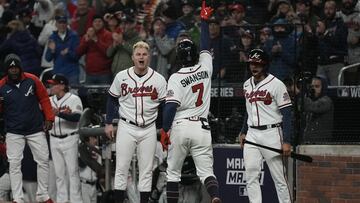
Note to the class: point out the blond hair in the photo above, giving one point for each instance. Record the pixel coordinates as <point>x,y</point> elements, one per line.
<point>141,44</point>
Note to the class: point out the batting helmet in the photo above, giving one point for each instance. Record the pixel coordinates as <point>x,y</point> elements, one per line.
<point>186,53</point>
<point>258,56</point>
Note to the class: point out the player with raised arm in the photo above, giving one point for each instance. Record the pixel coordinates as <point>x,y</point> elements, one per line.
<point>267,122</point>
<point>186,112</point>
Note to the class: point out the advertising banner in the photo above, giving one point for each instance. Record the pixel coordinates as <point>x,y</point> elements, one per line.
<point>230,172</point>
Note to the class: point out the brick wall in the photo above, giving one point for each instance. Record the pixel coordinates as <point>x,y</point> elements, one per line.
<point>333,177</point>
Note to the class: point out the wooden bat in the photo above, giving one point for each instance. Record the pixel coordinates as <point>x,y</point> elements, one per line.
<point>294,155</point>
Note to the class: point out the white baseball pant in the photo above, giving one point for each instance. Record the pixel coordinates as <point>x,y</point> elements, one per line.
<point>39,148</point>
<point>65,157</point>
<point>5,187</point>
<point>128,138</point>
<point>89,193</point>
<point>253,157</point>
<point>188,137</point>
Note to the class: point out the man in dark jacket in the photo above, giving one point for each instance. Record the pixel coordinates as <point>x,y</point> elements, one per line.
<point>319,112</point>
<point>332,44</point>
<point>27,114</point>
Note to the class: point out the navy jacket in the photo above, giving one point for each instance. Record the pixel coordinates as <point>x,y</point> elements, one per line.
<point>21,105</point>
<point>67,64</point>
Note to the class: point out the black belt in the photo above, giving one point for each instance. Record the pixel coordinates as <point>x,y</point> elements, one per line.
<point>88,182</point>
<point>204,121</point>
<point>133,123</point>
<point>63,136</point>
<point>197,118</point>
<point>265,127</point>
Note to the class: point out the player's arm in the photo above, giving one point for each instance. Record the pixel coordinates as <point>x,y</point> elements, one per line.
<point>204,26</point>
<point>168,118</point>
<point>243,131</point>
<point>287,129</point>
<point>112,109</point>
<point>72,117</point>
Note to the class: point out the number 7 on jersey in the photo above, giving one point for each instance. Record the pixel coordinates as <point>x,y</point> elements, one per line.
<point>198,88</point>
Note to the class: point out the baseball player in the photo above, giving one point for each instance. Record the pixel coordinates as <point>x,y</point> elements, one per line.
<point>64,139</point>
<point>267,122</point>
<point>186,112</point>
<point>88,176</point>
<point>23,94</point>
<point>138,91</point>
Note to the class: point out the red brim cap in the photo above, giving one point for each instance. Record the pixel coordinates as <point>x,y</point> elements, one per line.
<point>52,82</point>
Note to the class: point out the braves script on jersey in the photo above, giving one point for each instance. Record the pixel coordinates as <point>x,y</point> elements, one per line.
<point>138,93</point>
<point>190,87</point>
<point>62,126</point>
<point>263,100</point>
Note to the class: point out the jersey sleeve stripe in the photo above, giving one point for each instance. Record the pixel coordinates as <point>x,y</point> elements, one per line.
<point>284,105</point>
<point>173,100</point>
<point>112,94</point>
<point>162,99</point>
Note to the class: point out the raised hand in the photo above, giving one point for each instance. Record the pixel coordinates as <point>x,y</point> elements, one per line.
<point>206,11</point>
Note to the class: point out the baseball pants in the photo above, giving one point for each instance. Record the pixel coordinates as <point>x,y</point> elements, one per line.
<point>89,193</point>
<point>65,157</point>
<point>253,157</point>
<point>188,137</point>
<point>15,147</point>
<point>5,187</point>
<point>128,138</point>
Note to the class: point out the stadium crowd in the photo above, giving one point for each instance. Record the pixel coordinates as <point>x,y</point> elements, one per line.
<point>93,39</point>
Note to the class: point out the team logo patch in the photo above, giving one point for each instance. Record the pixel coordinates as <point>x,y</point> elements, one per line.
<point>78,107</point>
<point>170,93</point>
<point>286,97</point>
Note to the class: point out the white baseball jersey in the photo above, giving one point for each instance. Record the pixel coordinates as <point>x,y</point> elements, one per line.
<point>62,126</point>
<point>138,93</point>
<point>264,100</point>
<point>190,88</point>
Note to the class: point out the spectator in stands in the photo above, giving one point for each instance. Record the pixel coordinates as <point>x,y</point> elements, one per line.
<point>265,34</point>
<point>112,23</point>
<point>281,50</point>
<point>82,18</point>
<point>21,42</point>
<point>17,5</point>
<point>282,8</point>
<point>187,17</point>
<point>120,51</point>
<point>62,50</point>
<point>43,11</point>
<point>319,112</point>
<point>351,18</point>
<point>173,26</point>
<point>94,45</point>
<point>25,17</point>
<point>112,6</point>
<point>247,44</point>
<point>332,44</point>
<point>161,45</point>
<point>46,32</point>
<point>305,13</point>
<point>317,7</point>
<point>237,14</point>
<point>220,46</point>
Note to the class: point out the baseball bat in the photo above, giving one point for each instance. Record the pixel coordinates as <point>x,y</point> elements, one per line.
<point>294,155</point>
